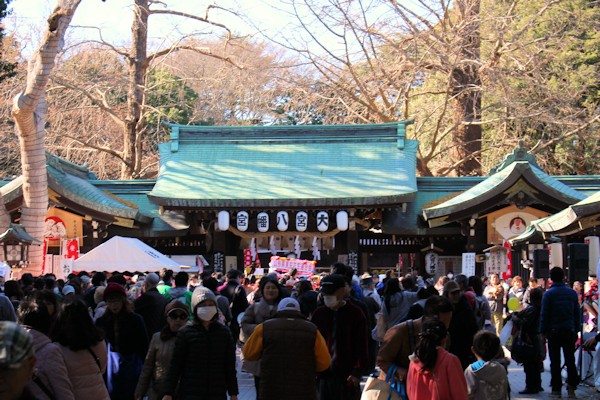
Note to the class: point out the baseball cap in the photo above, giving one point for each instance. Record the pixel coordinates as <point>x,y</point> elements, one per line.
<point>288,304</point>
<point>331,283</point>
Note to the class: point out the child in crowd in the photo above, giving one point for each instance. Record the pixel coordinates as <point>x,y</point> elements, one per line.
<point>434,373</point>
<point>486,378</point>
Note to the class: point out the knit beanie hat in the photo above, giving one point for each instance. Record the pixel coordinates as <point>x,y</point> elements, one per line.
<point>113,289</point>
<point>16,345</point>
<point>200,294</point>
<point>176,305</point>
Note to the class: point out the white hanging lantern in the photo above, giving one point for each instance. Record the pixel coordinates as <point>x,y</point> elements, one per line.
<point>241,221</point>
<point>341,219</point>
<point>301,221</point>
<point>223,221</point>
<point>262,221</point>
<point>431,262</point>
<point>322,221</point>
<point>283,220</point>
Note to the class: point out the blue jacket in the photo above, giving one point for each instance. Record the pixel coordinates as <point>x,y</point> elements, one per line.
<point>560,309</point>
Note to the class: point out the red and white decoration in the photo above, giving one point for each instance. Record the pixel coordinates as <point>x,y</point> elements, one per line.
<point>284,264</point>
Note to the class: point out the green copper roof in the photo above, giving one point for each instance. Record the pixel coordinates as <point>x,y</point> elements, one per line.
<point>291,166</point>
<point>519,179</point>
<point>71,183</point>
<point>167,223</point>
<point>582,215</point>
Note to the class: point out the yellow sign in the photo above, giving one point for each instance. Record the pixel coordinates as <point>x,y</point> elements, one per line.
<point>61,224</point>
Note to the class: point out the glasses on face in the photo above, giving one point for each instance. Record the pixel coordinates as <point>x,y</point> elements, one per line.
<point>178,315</point>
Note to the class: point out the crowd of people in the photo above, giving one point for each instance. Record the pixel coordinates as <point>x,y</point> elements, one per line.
<point>175,336</point>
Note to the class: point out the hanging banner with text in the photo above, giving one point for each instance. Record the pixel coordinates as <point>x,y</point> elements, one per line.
<point>468,264</point>
<point>284,265</point>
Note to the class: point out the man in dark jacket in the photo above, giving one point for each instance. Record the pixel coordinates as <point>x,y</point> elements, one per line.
<point>560,323</point>
<point>236,295</point>
<point>463,325</point>
<point>288,336</point>
<point>344,327</point>
<point>151,305</point>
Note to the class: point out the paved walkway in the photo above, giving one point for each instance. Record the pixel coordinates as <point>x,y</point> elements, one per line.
<point>516,377</point>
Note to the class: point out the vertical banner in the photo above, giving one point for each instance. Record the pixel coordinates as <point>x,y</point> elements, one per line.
<point>218,261</point>
<point>468,264</point>
<point>508,273</point>
<point>353,260</point>
<point>593,243</point>
<point>44,254</point>
<point>555,255</point>
<point>496,262</point>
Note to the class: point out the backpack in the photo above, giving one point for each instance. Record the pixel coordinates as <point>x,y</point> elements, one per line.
<point>479,312</point>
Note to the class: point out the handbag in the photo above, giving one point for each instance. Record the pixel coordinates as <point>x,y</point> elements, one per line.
<point>380,328</point>
<point>390,389</point>
<point>523,348</point>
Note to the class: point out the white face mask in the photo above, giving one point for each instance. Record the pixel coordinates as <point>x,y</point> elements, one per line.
<point>206,313</point>
<point>330,301</point>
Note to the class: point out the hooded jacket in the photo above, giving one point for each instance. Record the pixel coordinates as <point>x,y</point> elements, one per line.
<point>489,382</point>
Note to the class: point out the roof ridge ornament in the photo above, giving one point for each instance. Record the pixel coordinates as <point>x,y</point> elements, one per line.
<point>519,154</point>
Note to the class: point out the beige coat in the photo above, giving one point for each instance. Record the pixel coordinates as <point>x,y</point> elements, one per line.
<point>84,372</point>
<point>50,369</point>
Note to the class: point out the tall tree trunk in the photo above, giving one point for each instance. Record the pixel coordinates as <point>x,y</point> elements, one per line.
<point>466,93</point>
<point>29,112</point>
<point>138,65</point>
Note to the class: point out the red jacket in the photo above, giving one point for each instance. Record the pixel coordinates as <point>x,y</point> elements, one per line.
<point>445,382</point>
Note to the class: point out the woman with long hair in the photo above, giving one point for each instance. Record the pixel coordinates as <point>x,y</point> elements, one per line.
<point>127,342</point>
<point>50,378</point>
<point>159,355</point>
<point>203,362</point>
<point>84,351</point>
<point>434,373</point>
<point>257,313</point>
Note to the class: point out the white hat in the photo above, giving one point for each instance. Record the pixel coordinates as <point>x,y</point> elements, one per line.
<point>288,304</point>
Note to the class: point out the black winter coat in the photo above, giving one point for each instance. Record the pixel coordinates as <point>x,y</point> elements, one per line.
<point>151,306</point>
<point>203,363</point>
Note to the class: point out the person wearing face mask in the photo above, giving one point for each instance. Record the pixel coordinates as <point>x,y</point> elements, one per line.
<point>203,362</point>
<point>257,313</point>
<point>344,327</point>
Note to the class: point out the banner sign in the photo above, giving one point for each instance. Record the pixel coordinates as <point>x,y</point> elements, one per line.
<point>468,264</point>
<point>284,264</point>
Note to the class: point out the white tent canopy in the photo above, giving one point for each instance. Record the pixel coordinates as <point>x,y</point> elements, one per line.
<point>124,254</point>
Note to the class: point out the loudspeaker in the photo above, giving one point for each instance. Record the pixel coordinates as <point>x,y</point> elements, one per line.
<point>578,260</point>
<point>541,263</point>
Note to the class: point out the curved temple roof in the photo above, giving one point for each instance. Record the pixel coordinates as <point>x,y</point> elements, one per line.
<point>286,166</point>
